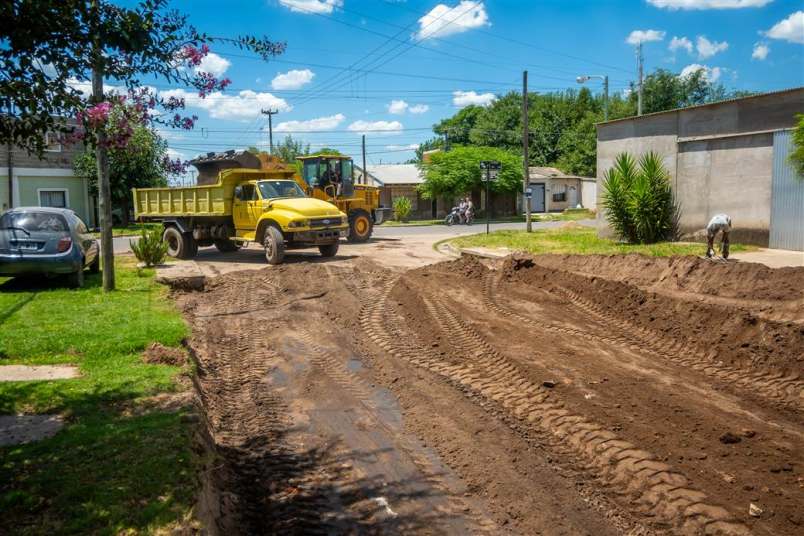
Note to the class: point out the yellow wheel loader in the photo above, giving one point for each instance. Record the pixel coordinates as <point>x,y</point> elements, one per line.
<point>331,178</point>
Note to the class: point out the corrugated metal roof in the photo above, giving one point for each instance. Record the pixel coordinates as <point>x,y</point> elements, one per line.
<point>674,110</point>
<point>395,174</point>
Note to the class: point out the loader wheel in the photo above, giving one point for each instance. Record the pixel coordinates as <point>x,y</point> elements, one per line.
<point>329,250</point>
<point>274,246</point>
<point>227,246</point>
<point>360,226</point>
<point>180,245</point>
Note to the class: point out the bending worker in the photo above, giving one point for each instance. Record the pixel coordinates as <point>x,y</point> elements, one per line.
<point>719,223</point>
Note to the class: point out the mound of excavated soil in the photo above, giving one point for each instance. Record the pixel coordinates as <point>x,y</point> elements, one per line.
<point>158,354</point>
<point>693,274</point>
<point>733,335</point>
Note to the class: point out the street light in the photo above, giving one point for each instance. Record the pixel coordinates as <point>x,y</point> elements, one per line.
<point>605,78</point>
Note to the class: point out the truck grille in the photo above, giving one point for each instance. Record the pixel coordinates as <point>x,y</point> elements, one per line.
<point>325,222</point>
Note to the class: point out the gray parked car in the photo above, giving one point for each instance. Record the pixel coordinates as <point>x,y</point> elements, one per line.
<point>46,241</point>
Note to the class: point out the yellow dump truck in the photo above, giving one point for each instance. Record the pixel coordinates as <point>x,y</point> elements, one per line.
<point>241,198</point>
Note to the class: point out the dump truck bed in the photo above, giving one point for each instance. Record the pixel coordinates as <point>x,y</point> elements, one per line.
<point>208,200</point>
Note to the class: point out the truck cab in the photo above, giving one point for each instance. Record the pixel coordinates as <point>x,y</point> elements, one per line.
<point>330,177</point>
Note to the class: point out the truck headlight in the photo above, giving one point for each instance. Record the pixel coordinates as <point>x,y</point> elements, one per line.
<point>298,223</point>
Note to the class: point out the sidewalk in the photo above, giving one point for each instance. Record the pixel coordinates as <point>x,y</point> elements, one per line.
<point>774,258</point>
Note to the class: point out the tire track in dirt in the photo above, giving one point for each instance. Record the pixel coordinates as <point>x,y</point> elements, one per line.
<point>662,493</point>
<point>454,506</point>
<point>776,387</point>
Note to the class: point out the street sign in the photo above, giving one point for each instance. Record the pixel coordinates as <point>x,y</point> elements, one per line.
<point>528,192</point>
<point>490,168</point>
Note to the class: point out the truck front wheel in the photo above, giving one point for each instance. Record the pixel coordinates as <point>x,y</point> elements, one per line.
<point>360,226</point>
<point>274,246</point>
<point>329,250</point>
<point>180,245</point>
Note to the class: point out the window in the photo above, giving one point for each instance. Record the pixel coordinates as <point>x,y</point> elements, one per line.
<point>33,221</point>
<point>53,142</point>
<point>560,197</point>
<point>274,189</point>
<point>247,192</point>
<point>53,198</point>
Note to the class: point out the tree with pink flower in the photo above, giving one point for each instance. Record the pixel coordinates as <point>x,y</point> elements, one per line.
<point>50,47</point>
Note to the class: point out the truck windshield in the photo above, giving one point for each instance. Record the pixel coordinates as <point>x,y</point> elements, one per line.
<point>274,189</point>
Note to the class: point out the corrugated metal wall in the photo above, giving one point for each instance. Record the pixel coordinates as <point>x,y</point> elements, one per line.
<point>787,197</point>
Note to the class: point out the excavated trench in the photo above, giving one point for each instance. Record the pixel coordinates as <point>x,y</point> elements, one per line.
<point>549,394</point>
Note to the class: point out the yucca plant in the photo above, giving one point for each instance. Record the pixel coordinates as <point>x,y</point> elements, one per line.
<point>150,249</point>
<point>402,208</point>
<point>639,200</point>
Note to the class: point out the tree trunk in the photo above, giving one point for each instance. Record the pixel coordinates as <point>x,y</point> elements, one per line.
<point>104,188</point>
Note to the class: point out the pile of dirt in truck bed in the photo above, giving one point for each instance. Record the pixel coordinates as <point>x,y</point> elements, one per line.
<point>729,334</point>
<point>694,274</point>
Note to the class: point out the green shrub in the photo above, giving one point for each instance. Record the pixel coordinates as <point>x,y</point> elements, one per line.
<point>150,249</point>
<point>639,200</point>
<point>402,208</point>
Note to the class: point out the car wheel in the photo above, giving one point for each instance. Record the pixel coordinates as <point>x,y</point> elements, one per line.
<point>329,250</point>
<point>76,279</point>
<point>360,226</point>
<point>94,268</point>
<point>274,245</point>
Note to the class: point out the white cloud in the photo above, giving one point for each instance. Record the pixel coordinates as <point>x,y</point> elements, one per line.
<point>680,42</point>
<point>761,51</point>
<point>707,48</point>
<point>85,87</point>
<point>310,7</point>
<point>213,64</point>
<point>311,125</point>
<point>443,20</point>
<point>644,36</point>
<point>790,29</point>
<point>293,79</point>
<point>708,4</point>
<point>465,98</point>
<point>711,74</point>
<point>245,105</point>
<point>397,107</point>
<point>408,147</point>
<point>375,126</point>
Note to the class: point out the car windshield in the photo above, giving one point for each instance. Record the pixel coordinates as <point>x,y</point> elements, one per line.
<point>33,222</point>
<point>274,189</point>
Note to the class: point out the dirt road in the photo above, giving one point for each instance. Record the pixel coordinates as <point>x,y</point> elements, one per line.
<point>548,395</point>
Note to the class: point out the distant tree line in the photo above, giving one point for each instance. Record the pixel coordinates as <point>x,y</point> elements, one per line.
<point>562,124</point>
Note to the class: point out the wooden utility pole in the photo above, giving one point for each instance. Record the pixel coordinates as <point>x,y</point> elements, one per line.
<point>525,136</point>
<point>102,160</point>
<point>270,113</point>
<point>639,75</point>
<point>365,171</point>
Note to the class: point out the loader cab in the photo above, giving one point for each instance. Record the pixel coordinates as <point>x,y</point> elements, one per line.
<point>331,174</point>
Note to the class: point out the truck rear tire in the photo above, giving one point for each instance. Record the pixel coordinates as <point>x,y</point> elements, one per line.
<point>226,246</point>
<point>274,244</point>
<point>329,250</point>
<point>180,245</point>
<point>360,226</point>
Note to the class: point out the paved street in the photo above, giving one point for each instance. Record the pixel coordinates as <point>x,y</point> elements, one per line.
<point>432,233</point>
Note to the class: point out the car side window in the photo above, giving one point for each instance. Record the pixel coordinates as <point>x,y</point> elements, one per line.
<point>248,192</point>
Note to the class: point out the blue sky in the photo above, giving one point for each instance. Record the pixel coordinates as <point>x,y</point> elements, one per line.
<point>392,68</point>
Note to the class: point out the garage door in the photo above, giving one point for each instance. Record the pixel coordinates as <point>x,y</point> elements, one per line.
<point>787,197</point>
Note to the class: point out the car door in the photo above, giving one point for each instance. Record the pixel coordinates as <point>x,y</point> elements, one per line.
<point>243,205</point>
<point>89,245</point>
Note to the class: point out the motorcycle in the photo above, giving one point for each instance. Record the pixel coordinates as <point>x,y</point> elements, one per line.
<point>453,217</point>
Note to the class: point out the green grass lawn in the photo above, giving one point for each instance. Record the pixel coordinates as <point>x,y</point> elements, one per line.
<point>581,240</point>
<point>109,470</point>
